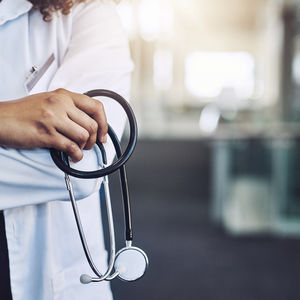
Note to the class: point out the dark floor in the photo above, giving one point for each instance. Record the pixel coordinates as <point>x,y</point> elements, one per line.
<point>190,258</point>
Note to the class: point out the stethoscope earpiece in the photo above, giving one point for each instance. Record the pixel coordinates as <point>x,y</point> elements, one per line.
<point>130,263</point>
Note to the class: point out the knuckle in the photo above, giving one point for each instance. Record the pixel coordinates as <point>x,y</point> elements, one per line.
<point>71,147</point>
<point>47,115</point>
<point>93,127</point>
<point>99,105</point>
<point>52,99</point>
<point>83,137</point>
<point>60,91</point>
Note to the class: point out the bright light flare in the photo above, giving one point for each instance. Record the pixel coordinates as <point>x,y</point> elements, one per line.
<point>155,19</point>
<point>208,73</point>
<point>125,10</point>
<point>209,119</point>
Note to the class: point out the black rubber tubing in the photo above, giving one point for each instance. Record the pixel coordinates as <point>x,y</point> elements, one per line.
<point>57,154</point>
<point>61,160</point>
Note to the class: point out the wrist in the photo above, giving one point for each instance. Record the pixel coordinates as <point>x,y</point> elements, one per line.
<point>8,119</point>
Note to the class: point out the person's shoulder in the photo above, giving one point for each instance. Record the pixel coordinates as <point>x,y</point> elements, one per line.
<point>103,6</point>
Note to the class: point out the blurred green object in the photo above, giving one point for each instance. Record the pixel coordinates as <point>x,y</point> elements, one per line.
<point>255,185</point>
<point>285,181</point>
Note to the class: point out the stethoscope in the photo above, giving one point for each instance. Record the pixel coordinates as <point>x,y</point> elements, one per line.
<point>129,263</point>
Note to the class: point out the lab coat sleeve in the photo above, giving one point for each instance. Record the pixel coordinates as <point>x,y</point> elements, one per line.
<point>97,57</point>
<point>29,177</point>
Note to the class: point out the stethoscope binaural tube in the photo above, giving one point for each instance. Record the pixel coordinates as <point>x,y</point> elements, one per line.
<point>57,155</point>
<point>123,270</point>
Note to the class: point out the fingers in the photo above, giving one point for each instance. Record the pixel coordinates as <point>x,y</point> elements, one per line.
<point>95,109</point>
<point>60,119</point>
<point>90,127</point>
<point>78,119</point>
<point>60,142</point>
<point>73,132</point>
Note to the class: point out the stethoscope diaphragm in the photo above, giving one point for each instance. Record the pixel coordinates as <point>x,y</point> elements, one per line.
<point>131,263</point>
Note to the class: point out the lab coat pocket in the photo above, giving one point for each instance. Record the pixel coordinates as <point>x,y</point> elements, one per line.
<point>40,76</point>
<point>66,284</point>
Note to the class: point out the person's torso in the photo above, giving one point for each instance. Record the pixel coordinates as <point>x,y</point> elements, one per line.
<point>46,258</point>
<point>31,49</point>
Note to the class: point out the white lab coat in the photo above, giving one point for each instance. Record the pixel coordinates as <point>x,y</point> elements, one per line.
<point>90,49</point>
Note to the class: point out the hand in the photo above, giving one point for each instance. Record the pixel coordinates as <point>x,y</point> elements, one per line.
<point>60,119</point>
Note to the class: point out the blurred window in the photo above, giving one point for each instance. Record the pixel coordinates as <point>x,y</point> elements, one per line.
<point>207,74</point>
<point>149,16</point>
<point>125,10</point>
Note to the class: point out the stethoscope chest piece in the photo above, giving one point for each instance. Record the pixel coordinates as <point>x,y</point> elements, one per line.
<point>131,263</point>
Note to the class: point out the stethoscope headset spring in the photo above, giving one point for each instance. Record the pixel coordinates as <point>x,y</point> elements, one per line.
<point>129,263</point>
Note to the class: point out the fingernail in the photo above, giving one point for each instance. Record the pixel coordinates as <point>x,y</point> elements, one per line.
<point>72,160</point>
<point>75,159</point>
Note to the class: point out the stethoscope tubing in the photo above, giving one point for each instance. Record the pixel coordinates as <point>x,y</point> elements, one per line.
<point>55,154</point>
<point>61,160</point>
<point>82,235</point>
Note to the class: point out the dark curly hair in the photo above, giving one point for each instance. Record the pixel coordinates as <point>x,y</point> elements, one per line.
<point>47,7</point>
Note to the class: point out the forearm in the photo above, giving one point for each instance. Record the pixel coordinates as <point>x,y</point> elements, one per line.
<point>97,57</point>
<point>46,120</point>
<point>8,123</point>
<point>30,177</point>
<point>56,119</point>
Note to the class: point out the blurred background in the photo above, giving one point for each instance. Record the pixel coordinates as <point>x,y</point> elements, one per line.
<point>215,176</point>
